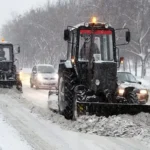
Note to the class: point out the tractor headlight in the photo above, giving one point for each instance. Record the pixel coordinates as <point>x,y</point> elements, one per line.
<point>143,92</point>
<point>39,77</point>
<point>121,92</point>
<point>97,82</point>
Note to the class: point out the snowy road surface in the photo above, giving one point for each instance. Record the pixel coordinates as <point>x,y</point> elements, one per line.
<point>10,138</point>
<point>35,123</point>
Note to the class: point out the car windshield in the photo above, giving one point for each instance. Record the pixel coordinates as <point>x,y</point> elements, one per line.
<point>99,42</point>
<point>126,77</point>
<point>5,53</point>
<point>46,69</point>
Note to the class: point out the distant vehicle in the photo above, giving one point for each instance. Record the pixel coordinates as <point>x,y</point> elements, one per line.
<point>9,76</point>
<point>43,76</point>
<point>126,79</point>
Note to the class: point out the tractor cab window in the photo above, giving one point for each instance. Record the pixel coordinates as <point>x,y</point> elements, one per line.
<point>5,53</point>
<point>97,43</point>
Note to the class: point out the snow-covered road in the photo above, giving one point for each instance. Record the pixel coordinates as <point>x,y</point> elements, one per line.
<point>10,138</point>
<point>38,97</point>
<point>30,116</point>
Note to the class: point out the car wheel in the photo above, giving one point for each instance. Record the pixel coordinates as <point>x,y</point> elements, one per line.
<point>36,87</point>
<point>31,85</point>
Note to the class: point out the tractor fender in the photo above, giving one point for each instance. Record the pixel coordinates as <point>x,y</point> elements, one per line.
<point>66,64</point>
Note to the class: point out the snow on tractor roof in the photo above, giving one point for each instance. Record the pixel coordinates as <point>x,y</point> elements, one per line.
<point>87,24</point>
<point>78,25</point>
<point>5,42</point>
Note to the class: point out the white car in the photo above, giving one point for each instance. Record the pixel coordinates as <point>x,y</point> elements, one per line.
<point>126,79</point>
<point>43,76</point>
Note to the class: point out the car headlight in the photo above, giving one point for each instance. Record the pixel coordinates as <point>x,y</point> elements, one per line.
<point>21,75</point>
<point>121,92</point>
<point>143,92</point>
<point>56,76</point>
<point>39,77</point>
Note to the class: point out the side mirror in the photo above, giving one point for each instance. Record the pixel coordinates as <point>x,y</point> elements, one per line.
<point>139,82</point>
<point>34,72</point>
<point>16,60</point>
<point>18,50</point>
<point>66,35</point>
<point>128,36</point>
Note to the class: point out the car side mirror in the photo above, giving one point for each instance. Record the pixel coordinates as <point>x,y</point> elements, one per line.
<point>139,82</point>
<point>34,72</point>
<point>16,60</point>
<point>128,36</point>
<point>66,35</point>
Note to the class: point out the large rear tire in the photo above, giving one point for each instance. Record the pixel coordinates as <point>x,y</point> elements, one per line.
<point>66,95</point>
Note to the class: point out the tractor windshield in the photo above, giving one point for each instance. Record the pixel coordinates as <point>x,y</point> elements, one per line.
<point>97,43</point>
<point>6,53</point>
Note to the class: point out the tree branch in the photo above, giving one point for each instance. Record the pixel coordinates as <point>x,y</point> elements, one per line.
<point>133,53</point>
<point>135,42</point>
<point>130,18</point>
<point>144,34</point>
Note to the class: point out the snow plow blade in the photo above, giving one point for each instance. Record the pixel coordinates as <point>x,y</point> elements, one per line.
<point>109,109</point>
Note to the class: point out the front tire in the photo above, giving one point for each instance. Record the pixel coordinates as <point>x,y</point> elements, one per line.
<point>66,95</point>
<point>132,97</point>
<point>31,85</point>
<point>36,87</point>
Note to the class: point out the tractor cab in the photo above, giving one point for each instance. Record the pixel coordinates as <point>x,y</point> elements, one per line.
<point>92,49</point>
<point>8,71</point>
<point>94,40</point>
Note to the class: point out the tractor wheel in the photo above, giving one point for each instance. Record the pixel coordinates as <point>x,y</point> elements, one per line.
<point>132,98</point>
<point>66,95</point>
<point>36,87</point>
<point>31,85</point>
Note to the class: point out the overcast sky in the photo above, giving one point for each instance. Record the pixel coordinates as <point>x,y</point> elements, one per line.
<point>10,7</point>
